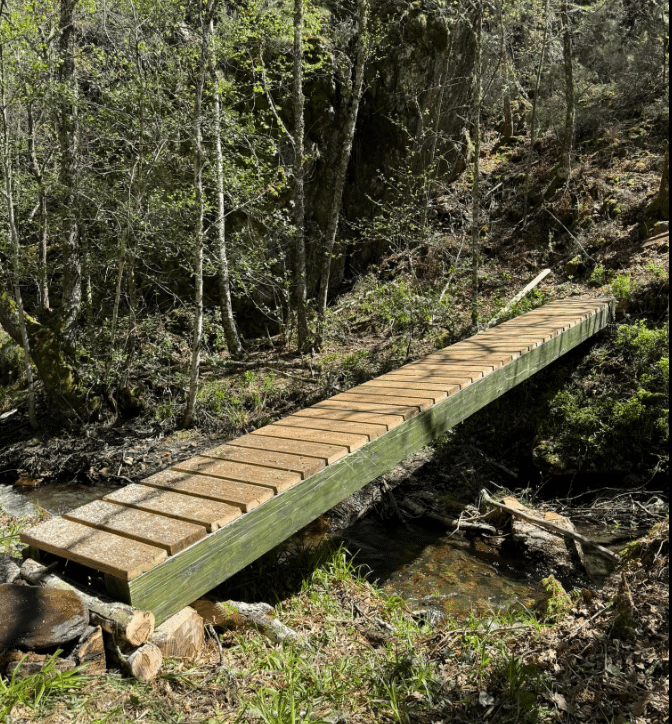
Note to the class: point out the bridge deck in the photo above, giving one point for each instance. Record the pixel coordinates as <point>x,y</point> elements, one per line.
<point>163,543</point>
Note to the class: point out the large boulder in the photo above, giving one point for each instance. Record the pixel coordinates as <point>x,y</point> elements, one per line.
<point>39,618</point>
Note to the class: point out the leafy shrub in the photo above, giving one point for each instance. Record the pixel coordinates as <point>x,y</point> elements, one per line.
<point>615,413</point>
<point>12,370</point>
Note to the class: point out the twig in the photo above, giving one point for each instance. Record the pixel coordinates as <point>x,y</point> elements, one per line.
<point>590,620</point>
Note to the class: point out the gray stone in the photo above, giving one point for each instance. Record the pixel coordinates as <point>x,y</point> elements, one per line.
<point>9,569</point>
<point>38,618</point>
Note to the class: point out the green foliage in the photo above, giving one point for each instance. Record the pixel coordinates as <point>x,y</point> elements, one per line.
<point>622,287</point>
<point>35,691</point>
<point>626,422</point>
<point>12,369</point>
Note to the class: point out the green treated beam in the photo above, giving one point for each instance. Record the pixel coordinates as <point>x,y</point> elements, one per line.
<point>183,578</point>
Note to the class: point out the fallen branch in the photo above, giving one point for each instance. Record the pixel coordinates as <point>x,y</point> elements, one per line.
<point>537,280</point>
<point>233,614</point>
<point>126,624</point>
<point>551,528</point>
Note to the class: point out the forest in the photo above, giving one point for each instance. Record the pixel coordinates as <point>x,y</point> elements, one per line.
<point>216,214</point>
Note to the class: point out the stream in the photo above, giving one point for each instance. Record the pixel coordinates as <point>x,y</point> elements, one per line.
<point>424,565</point>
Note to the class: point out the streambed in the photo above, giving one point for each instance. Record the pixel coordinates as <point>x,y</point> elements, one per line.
<point>423,564</point>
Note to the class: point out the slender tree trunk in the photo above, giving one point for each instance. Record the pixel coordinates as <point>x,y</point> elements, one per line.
<point>535,107</point>
<point>7,164</point>
<point>343,161</point>
<point>68,142</point>
<point>570,115</point>
<point>661,205</point>
<point>228,320</point>
<point>38,174</point>
<point>476,192</point>
<point>200,217</point>
<point>300,274</point>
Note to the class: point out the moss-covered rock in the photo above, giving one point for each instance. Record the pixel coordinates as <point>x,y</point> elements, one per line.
<point>556,603</point>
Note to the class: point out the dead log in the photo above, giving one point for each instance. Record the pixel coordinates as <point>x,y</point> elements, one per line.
<point>557,530</point>
<point>144,663</point>
<point>35,618</point>
<point>181,636</point>
<point>233,614</point>
<point>90,651</point>
<point>126,624</point>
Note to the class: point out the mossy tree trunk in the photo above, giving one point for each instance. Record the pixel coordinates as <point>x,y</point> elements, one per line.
<point>50,356</point>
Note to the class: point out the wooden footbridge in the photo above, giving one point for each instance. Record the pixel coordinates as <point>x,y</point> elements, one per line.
<point>164,543</point>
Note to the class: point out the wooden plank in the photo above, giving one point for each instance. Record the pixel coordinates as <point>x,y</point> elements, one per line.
<point>347,440</point>
<point>327,453</point>
<point>367,408</point>
<point>243,496</point>
<point>432,378</point>
<point>156,530</point>
<point>457,376</point>
<point>389,421</point>
<point>186,576</point>
<point>305,466</point>
<point>372,431</point>
<point>121,557</point>
<point>277,480</point>
<point>389,400</point>
<point>470,356</point>
<point>189,508</point>
<point>389,386</point>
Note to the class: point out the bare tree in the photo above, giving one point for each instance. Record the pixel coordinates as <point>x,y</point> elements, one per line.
<point>343,161</point>
<point>570,101</point>
<point>228,321</point>
<point>199,232</point>
<point>68,142</point>
<point>299,102</point>
<point>476,190</point>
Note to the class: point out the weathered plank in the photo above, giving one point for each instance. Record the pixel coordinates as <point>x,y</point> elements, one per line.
<point>121,557</point>
<point>388,421</point>
<point>373,388</point>
<point>327,453</point>
<point>367,407</point>
<point>243,496</point>
<point>348,440</point>
<point>413,384</point>
<point>305,466</point>
<point>156,530</point>
<point>430,372</point>
<point>192,572</point>
<point>372,431</point>
<point>277,480</point>
<point>189,508</point>
<point>423,403</point>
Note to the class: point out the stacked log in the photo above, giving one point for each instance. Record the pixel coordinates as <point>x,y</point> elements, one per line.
<point>40,610</point>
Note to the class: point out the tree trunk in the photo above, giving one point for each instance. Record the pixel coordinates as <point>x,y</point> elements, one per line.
<point>228,321</point>
<point>476,192</point>
<point>68,143</point>
<point>38,175</point>
<point>570,115</point>
<point>343,162</point>
<point>300,274</point>
<point>200,217</point>
<point>7,164</point>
